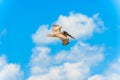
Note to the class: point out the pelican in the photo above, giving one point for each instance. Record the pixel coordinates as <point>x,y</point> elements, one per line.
<point>63,36</point>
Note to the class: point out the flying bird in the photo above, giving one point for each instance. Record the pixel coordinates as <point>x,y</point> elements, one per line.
<point>63,36</point>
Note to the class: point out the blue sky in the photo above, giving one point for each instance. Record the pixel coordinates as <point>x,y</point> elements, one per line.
<point>24,23</point>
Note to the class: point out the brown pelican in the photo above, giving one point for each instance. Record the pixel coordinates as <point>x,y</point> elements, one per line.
<point>63,36</point>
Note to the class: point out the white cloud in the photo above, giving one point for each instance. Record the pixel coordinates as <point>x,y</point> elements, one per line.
<point>112,72</point>
<point>9,71</point>
<point>74,64</point>
<point>79,25</point>
<point>2,61</point>
<point>40,37</point>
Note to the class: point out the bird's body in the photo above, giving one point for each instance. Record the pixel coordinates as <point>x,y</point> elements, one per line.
<point>63,36</point>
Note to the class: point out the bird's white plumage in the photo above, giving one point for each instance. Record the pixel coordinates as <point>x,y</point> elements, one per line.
<point>56,29</point>
<point>56,32</point>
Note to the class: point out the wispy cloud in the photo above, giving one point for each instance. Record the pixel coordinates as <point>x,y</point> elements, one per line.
<point>9,71</point>
<point>2,33</point>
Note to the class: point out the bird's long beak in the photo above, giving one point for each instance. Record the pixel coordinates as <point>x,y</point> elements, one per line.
<point>70,36</point>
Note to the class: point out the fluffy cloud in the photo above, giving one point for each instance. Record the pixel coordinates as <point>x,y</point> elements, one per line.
<point>112,72</point>
<point>40,35</point>
<point>74,64</point>
<point>9,71</point>
<point>79,25</point>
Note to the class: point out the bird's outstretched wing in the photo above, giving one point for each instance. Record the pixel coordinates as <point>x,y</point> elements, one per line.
<point>65,41</point>
<point>56,29</point>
